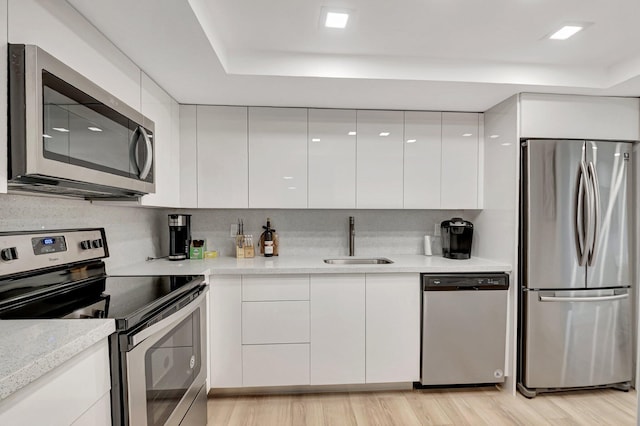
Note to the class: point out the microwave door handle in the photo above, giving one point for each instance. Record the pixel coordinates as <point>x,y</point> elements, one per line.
<point>148,162</point>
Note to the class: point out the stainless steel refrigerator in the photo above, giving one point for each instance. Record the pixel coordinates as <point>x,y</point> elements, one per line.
<point>575,270</point>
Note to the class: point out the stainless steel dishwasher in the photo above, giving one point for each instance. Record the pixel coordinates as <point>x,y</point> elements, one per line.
<point>464,320</point>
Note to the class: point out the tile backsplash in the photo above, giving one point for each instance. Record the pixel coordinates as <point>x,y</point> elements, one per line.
<point>132,232</point>
<point>322,232</point>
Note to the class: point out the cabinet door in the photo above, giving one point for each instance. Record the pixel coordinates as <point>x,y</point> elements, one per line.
<point>332,158</point>
<point>460,156</point>
<point>422,159</point>
<point>379,159</point>
<point>275,365</point>
<point>393,328</point>
<point>277,157</point>
<point>188,157</point>
<point>222,157</point>
<point>157,105</point>
<point>337,329</point>
<point>226,331</point>
<point>275,322</point>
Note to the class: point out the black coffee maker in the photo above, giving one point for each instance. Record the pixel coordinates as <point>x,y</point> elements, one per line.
<point>457,235</point>
<point>179,236</point>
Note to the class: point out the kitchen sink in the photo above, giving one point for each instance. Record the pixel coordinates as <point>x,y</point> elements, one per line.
<point>359,261</point>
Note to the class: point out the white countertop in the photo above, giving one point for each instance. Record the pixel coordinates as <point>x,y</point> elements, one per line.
<point>31,348</point>
<point>307,265</point>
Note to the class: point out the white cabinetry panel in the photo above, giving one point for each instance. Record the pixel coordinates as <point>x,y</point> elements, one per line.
<point>226,331</point>
<point>332,158</point>
<point>275,322</point>
<point>277,157</point>
<point>460,153</point>
<point>337,329</point>
<point>379,159</point>
<point>275,287</point>
<point>98,415</point>
<point>65,394</point>
<point>275,365</point>
<point>157,106</point>
<point>223,157</point>
<point>393,328</point>
<point>188,157</point>
<point>422,159</point>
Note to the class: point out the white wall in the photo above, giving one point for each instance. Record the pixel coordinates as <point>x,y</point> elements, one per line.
<point>323,232</point>
<point>497,224</point>
<point>3,95</point>
<point>132,233</point>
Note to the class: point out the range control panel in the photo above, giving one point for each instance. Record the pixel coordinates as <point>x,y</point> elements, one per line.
<point>28,251</point>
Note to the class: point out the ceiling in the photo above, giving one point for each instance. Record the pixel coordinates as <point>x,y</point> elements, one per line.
<point>456,55</point>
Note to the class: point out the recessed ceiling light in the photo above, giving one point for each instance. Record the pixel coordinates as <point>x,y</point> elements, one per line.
<point>94,129</point>
<point>291,187</point>
<point>617,154</point>
<point>352,133</point>
<point>315,140</point>
<point>494,136</point>
<point>411,141</point>
<point>336,20</point>
<point>61,129</point>
<point>506,144</point>
<point>466,135</point>
<point>565,32</point>
<point>287,177</point>
<point>46,136</point>
<point>384,133</point>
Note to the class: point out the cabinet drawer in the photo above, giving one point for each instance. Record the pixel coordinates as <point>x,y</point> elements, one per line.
<point>275,287</point>
<point>275,322</point>
<point>275,365</point>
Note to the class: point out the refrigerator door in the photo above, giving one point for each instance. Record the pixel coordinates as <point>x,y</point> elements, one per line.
<point>554,192</point>
<point>608,263</point>
<point>577,338</point>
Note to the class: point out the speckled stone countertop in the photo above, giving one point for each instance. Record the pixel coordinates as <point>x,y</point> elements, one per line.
<point>308,265</point>
<point>31,348</point>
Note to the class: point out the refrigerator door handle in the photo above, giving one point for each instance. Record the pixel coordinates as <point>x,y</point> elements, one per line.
<point>583,299</point>
<point>593,179</point>
<point>582,214</point>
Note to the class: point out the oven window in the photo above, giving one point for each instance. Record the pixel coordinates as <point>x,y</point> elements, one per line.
<point>78,129</point>
<point>171,366</point>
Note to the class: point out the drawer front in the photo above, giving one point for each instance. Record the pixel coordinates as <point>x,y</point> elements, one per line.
<point>275,365</point>
<point>275,287</point>
<point>275,322</point>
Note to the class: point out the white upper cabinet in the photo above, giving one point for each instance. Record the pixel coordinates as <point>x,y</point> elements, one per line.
<point>422,159</point>
<point>158,106</point>
<point>379,159</point>
<point>460,158</point>
<point>222,157</point>
<point>188,157</point>
<point>332,158</point>
<point>277,157</point>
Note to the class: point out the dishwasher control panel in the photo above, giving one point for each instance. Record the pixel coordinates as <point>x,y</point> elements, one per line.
<point>476,281</point>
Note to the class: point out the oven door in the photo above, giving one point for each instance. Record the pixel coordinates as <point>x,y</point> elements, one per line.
<point>166,369</point>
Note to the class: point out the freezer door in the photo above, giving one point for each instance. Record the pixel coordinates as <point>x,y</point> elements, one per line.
<point>554,189</point>
<point>608,263</point>
<point>577,338</point>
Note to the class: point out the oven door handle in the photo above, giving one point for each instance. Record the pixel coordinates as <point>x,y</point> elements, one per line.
<point>140,337</point>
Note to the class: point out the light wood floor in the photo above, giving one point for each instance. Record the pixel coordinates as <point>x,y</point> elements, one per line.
<point>425,407</point>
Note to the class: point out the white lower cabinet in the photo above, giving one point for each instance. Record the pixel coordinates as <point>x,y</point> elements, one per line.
<point>393,328</point>
<point>348,329</point>
<point>275,365</point>
<point>76,392</point>
<point>337,329</point>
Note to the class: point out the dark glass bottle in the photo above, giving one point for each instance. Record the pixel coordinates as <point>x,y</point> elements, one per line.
<point>268,240</point>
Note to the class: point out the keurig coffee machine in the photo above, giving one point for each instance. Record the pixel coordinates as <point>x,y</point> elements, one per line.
<point>457,236</point>
<point>179,236</point>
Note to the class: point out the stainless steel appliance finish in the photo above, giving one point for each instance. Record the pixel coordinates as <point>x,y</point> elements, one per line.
<point>70,137</point>
<point>575,324</point>
<point>158,352</point>
<point>464,328</point>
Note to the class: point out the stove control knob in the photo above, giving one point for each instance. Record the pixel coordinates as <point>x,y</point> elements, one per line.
<point>97,243</point>
<point>9,254</point>
<point>85,245</point>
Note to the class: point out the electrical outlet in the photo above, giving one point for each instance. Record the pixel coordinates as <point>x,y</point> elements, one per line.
<point>234,230</point>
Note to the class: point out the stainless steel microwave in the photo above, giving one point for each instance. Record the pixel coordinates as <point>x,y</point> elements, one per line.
<point>70,137</point>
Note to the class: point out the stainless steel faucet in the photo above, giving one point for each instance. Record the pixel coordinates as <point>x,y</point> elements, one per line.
<point>352,236</point>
